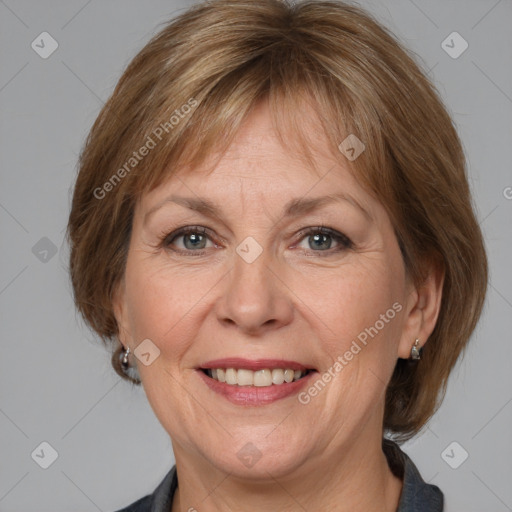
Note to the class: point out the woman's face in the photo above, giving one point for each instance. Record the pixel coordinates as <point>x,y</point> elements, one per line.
<point>255,285</point>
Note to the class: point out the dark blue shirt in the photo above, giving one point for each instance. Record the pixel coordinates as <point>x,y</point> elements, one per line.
<point>417,496</point>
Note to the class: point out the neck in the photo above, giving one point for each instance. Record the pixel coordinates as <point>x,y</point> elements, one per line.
<point>356,477</point>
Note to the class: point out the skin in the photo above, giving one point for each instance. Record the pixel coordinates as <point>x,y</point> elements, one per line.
<point>297,301</point>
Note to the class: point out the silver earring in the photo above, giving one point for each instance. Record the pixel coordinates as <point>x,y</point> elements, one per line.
<point>130,371</point>
<point>415,350</point>
<point>124,359</point>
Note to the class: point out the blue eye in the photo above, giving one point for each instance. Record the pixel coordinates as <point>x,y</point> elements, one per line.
<point>322,237</point>
<point>195,236</point>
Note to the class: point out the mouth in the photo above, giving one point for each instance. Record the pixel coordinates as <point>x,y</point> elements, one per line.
<point>254,382</point>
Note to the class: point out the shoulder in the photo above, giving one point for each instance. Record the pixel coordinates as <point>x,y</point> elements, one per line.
<point>417,495</point>
<point>160,499</point>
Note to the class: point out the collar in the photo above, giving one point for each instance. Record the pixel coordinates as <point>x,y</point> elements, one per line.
<point>417,495</point>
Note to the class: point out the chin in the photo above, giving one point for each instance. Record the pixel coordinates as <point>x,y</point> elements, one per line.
<point>260,460</point>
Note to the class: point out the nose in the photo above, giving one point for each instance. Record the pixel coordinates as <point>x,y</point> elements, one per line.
<point>254,298</point>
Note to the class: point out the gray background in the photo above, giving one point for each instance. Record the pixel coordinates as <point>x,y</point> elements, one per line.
<point>56,384</point>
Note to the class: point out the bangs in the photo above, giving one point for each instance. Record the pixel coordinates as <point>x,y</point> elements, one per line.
<point>304,105</point>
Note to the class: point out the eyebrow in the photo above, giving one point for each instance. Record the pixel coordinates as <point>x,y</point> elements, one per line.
<point>293,208</point>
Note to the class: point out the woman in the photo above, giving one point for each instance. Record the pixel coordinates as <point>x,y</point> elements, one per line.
<point>272,223</point>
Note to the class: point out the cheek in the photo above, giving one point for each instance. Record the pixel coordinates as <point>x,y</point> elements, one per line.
<point>162,300</point>
<point>351,302</point>
<point>359,321</point>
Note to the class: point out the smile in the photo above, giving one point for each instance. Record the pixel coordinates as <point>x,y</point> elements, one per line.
<point>254,382</point>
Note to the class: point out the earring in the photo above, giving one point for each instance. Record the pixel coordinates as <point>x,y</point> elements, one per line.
<point>124,359</point>
<point>415,350</point>
<point>131,372</point>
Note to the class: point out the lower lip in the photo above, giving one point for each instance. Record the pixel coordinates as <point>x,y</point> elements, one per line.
<point>255,395</point>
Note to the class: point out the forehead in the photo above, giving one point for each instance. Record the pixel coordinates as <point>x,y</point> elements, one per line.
<point>260,165</point>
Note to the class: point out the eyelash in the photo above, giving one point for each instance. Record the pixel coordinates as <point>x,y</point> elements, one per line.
<point>344,241</point>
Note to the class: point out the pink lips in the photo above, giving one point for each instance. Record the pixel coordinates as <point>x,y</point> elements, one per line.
<point>253,395</point>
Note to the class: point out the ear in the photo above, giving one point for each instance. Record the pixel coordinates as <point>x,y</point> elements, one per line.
<point>119,308</point>
<point>422,310</point>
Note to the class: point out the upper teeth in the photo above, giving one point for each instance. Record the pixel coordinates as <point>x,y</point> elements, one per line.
<point>266,377</point>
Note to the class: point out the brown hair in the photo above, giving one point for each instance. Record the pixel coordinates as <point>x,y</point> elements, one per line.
<point>190,88</point>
